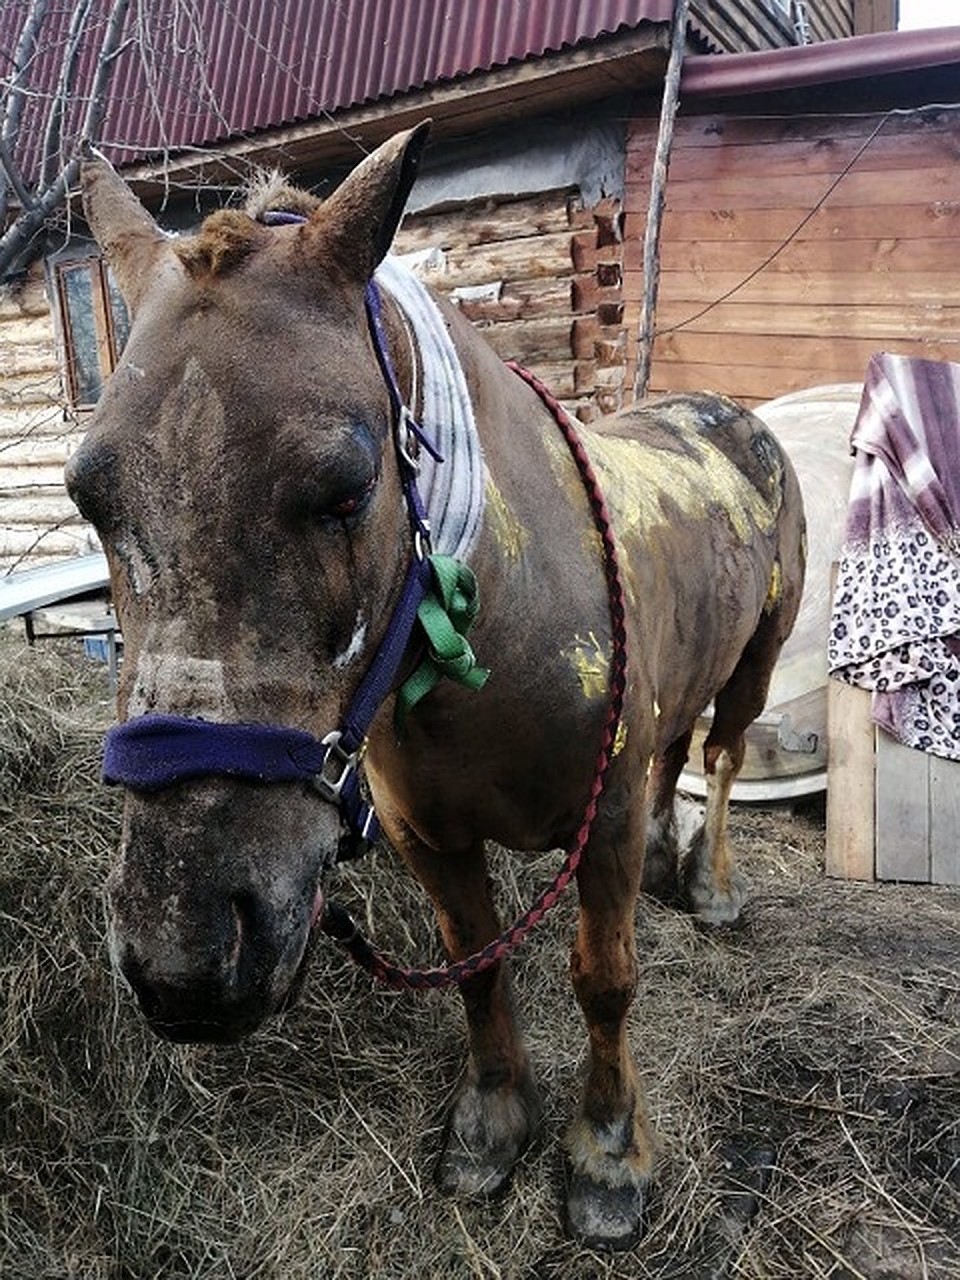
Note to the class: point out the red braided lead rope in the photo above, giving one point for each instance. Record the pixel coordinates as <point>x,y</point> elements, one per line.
<point>343,928</point>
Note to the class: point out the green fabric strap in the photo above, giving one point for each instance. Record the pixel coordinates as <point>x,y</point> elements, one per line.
<point>446,614</point>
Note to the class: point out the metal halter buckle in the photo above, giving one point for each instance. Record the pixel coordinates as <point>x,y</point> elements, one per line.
<point>330,785</point>
<point>408,446</point>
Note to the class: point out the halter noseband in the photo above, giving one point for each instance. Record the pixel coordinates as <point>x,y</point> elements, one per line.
<point>152,752</point>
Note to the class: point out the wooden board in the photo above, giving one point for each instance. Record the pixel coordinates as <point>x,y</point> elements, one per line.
<point>821,156</point>
<point>944,821</point>
<point>850,784</point>
<point>715,129</point>
<point>920,220</point>
<point>894,255</point>
<point>813,288</point>
<point>881,322</point>
<point>902,811</point>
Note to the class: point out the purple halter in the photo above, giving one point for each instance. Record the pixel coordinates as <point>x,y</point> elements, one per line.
<point>151,752</point>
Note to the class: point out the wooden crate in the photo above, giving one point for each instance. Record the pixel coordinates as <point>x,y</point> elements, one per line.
<point>893,813</point>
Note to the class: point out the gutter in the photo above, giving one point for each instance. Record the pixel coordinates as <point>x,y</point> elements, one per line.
<point>797,67</point>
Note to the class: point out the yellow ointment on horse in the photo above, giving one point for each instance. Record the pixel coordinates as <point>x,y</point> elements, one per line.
<point>510,534</point>
<point>775,590</point>
<point>701,482</point>
<point>591,661</point>
<point>698,478</point>
<point>646,484</point>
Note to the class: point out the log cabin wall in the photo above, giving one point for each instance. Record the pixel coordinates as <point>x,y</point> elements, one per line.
<point>797,240</point>
<point>528,244</point>
<point>37,519</point>
<point>541,276</point>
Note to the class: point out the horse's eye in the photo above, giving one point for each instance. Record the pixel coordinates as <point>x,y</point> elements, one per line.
<point>351,504</point>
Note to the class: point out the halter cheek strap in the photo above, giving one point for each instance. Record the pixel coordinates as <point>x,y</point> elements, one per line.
<point>151,752</point>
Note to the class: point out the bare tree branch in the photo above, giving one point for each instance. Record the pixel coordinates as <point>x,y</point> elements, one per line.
<point>10,174</point>
<point>109,50</point>
<point>68,70</point>
<point>13,107</point>
<point>54,186</point>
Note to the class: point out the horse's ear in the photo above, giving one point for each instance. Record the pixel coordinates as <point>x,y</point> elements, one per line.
<point>130,239</point>
<point>356,225</point>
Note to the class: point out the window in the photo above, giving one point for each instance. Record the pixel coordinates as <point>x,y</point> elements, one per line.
<point>95,326</point>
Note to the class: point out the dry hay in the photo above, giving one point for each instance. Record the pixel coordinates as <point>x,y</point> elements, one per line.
<point>820,1040</point>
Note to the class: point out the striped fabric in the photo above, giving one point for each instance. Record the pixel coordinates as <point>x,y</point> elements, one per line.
<point>895,627</point>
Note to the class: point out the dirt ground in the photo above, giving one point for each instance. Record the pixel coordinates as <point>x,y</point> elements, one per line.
<point>803,1071</point>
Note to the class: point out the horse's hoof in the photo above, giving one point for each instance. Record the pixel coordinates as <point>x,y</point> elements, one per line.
<point>604,1217</point>
<point>487,1132</point>
<point>717,905</point>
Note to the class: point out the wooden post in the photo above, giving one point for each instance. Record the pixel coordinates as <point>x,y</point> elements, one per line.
<point>850,782</point>
<point>658,183</point>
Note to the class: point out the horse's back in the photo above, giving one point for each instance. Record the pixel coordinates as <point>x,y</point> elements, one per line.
<point>703,428</point>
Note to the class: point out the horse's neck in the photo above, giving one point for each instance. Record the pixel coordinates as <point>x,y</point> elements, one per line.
<point>537,527</point>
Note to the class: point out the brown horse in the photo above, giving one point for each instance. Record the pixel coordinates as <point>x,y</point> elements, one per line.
<point>240,474</point>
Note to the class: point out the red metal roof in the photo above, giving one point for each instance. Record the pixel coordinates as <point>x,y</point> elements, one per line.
<point>194,74</point>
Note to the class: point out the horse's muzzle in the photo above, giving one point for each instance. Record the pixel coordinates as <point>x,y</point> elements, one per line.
<point>213,904</point>
<point>244,973</point>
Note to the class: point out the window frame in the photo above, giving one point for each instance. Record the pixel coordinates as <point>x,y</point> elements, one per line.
<point>105,328</point>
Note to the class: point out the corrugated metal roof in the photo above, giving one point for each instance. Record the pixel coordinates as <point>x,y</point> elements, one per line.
<point>196,73</point>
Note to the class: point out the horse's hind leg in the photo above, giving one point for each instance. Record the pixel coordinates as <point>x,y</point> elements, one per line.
<point>610,1142</point>
<point>714,889</point>
<point>661,860</point>
<point>497,1109</point>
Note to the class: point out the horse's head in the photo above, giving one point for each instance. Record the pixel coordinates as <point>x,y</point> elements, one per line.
<point>237,474</point>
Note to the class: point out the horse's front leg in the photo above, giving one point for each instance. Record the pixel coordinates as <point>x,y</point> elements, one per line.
<point>610,1142</point>
<point>497,1109</point>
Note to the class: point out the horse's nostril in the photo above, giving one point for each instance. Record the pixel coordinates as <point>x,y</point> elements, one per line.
<point>248,924</point>
<point>244,908</point>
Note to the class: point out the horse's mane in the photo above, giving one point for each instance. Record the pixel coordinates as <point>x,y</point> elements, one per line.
<point>228,236</point>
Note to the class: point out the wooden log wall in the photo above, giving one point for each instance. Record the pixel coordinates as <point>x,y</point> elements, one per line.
<point>779,270</point>
<point>542,277</point>
<point>37,519</point>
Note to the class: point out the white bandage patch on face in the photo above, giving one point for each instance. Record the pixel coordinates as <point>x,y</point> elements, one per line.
<point>355,647</point>
<point>177,684</point>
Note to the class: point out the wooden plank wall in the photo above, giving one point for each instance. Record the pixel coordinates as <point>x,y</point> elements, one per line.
<point>871,264</point>
<point>37,520</point>
<point>554,274</point>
